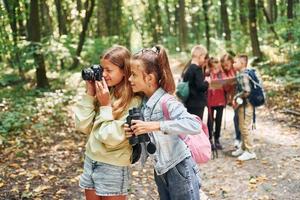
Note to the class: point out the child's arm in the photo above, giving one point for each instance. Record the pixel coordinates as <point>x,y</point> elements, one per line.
<point>84,111</point>
<point>181,122</point>
<point>245,87</point>
<point>108,130</point>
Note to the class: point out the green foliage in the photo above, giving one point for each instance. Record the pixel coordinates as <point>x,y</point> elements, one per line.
<point>23,108</point>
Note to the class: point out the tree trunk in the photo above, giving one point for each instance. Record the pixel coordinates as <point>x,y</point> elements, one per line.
<point>242,15</point>
<point>34,35</point>
<point>196,22</point>
<point>46,23</point>
<point>79,5</point>
<point>206,19</point>
<point>101,18</point>
<point>272,10</point>
<point>225,21</point>
<point>89,12</point>
<point>168,24</point>
<point>60,18</point>
<point>21,19</point>
<point>253,30</point>
<point>268,18</point>
<point>182,26</point>
<point>11,9</point>
<point>290,17</point>
<point>158,24</point>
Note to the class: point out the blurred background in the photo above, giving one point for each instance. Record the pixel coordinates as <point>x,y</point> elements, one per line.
<point>44,44</point>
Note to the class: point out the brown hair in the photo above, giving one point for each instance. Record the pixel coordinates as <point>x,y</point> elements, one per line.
<point>123,93</point>
<point>224,58</point>
<point>244,57</point>
<point>211,61</point>
<point>155,61</point>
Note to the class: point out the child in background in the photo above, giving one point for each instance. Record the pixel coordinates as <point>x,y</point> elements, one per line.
<point>195,75</point>
<point>101,113</point>
<point>216,102</point>
<point>229,72</point>
<point>243,108</point>
<point>176,173</point>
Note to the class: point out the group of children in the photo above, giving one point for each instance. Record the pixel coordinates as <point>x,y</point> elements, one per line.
<point>202,71</point>
<point>142,80</point>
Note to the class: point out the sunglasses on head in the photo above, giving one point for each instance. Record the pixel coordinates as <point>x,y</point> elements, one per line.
<point>154,49</point>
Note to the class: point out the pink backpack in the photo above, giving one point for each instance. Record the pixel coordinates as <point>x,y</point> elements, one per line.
<point>199,144</point>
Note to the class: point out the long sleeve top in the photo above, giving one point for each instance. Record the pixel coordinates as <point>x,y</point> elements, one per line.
<point>107,142</point>
<point>243,85</point>
<point>198,86</point>
<point>170,149</point>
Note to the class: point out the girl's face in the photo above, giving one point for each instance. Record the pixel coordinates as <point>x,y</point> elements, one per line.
<point>227,65</point>
<point>216,67</point>
<point>112,73</point>
<point>137,77</point>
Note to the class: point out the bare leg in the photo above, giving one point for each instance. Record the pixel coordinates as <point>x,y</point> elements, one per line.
<point>120,197</point>
<point>91,195</point>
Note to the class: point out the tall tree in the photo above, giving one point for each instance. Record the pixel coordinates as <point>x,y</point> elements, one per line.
<point>34,35</point>
<point>62,28</point>
<point>253,29</point>
<point>195,20</point>
<point>89,11</point>
<point>168,25</point>
<point>290,17</point>
<point>182,26</point>
<point>225,20</point>
<point>45,19</point>
<point>272,10</point>
<point>101,18</point>
<point>242,15</point>
<point>206,20</point>
<point>268,18</point>
<point>11,9</point>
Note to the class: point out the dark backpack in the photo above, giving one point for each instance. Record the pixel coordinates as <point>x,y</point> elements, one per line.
<point>257,94</point>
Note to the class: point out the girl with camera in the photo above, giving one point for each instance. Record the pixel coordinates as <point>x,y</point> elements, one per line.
<point>176,173</point>
<point>101,113</point>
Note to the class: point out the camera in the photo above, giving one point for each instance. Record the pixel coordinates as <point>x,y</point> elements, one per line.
<point>93,73</point>
<point>135,114</point>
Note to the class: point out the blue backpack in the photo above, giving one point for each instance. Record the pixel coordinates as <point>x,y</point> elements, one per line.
<point>257,95</point>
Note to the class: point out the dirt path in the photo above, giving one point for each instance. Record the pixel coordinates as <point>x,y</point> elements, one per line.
<point>47,165</point>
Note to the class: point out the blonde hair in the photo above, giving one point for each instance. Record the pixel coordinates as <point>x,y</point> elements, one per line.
<point>198,50</point>
<point>155,61</point>
<point>123,94</point>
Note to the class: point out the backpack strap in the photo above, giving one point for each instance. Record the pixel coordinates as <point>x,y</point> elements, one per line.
<point>165,98</point>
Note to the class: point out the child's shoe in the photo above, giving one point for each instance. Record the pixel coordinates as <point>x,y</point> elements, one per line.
<point>237,144</point>
<point>237,152</point>
<point>247,156</point>
<point>218,145</point>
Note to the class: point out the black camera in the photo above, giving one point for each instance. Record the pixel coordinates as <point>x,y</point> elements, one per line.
<point>135,114</point>
<point>93,73</point>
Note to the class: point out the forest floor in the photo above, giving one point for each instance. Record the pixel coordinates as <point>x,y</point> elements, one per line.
<point>47,165</point>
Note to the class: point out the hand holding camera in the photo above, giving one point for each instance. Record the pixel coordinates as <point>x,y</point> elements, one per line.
<point>96,84</point>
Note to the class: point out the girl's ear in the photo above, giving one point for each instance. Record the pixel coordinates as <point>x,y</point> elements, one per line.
<point>150,79</point>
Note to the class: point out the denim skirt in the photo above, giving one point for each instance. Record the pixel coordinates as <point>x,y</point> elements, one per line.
<point>105,179</point>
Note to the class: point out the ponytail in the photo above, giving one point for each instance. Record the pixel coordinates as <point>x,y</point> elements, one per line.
<point>155,61</point>
<point>166,80</point>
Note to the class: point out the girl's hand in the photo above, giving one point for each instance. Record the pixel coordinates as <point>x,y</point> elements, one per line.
<point>90,88</point>
<point>102,93</point>
<point>140,127</point>
<point>128,131</point>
